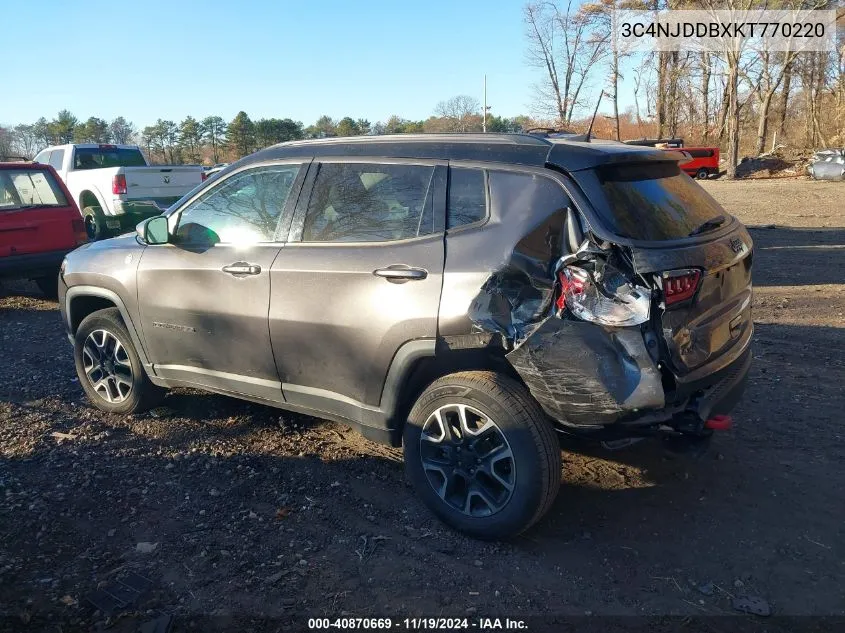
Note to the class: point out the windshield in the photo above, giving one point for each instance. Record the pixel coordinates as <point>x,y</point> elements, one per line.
<point>24,188</point>
<point>648,201</point>
<point>97,157</point>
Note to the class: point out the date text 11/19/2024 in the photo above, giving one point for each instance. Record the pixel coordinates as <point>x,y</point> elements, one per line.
<point>418,624</point>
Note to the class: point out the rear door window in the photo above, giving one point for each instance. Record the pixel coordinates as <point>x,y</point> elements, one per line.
<point>57,158</point>
<point>25,188</point>
<point>364,202</point>
<point>648,201</point>
<point>467,202</point>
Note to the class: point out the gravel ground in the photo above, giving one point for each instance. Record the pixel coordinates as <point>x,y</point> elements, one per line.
<point>243,512</point>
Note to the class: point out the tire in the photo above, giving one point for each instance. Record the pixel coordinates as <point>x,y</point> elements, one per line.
<point>702,174</point>
<point>49,285</point>
<point>532,470</point>
<point>135,393</point>
<point>95,223</point>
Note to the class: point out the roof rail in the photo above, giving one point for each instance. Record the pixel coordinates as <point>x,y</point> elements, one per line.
<point>468,137</point>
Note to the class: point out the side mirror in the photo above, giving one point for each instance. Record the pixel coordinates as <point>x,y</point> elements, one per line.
<point>154,231</point>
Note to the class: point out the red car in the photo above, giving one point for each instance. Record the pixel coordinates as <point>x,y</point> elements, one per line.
<point>39,224</point>
<point>704,163</point>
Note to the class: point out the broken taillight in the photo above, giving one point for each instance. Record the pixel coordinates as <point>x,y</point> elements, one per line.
<point>617,303</point>
<point>680,285</point>
<point>567,284</point>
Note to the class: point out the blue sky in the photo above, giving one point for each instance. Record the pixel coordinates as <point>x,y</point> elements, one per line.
<point>300,59</point>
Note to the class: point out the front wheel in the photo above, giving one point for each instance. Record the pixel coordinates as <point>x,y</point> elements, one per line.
<point>109,367</point>
<point>702,174</point>
<point>482,455</point>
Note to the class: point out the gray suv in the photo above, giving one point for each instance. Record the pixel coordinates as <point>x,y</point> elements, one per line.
<point>467,297</point>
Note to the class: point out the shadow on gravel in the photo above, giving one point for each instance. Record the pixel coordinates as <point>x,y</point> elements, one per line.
<point>227,534</point>
<point>818,342</point>
<point>20,288</point>
<point>788,256</point>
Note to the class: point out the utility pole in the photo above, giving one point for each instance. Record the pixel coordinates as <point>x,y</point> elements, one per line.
<point>486,107</point>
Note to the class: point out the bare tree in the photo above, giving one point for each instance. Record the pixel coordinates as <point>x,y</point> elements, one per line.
<point>783,102</point>
<point>122,131</point>
<point>25,140</point>
<point>640,74</point>
<point>812,68</point>
<point>459,112</point>
<point>601,13</point>
<point>568,46</point>
<point>772,68</point>
<point>6,142</point>
<point>706,72</point>
<point>733,57</point>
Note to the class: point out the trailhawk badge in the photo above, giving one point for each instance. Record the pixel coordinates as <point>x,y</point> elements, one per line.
<point>737,245</point>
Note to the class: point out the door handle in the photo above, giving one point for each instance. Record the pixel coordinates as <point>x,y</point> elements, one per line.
<point>401,273</point>
<point>242,268</point>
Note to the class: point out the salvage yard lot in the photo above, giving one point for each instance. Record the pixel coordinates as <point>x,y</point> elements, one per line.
<point>253,512</point>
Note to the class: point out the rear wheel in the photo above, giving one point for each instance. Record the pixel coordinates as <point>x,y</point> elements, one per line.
<point>702,174</point>
<point>482,454</point>
<point>109,367</point>
<point>49,285</point>
<point>95,223</point>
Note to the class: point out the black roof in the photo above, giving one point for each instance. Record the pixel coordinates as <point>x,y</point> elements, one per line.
<point>519,149</point>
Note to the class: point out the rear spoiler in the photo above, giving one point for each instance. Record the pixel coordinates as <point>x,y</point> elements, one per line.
<point>574,156</point>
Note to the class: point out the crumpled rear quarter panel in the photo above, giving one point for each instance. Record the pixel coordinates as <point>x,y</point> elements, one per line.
<point>588,375</point>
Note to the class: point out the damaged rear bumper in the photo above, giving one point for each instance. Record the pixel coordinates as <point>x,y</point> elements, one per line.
<point>604,382</point>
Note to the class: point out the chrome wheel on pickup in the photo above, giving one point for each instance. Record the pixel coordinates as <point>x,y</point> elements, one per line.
<point>95,223</point>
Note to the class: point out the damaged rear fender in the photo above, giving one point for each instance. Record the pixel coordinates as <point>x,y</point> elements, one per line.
<point>586,375</point>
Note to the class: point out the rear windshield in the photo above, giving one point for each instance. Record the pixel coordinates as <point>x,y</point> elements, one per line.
<point>26,188</point>
<point>97,157</point>
<point>648,201</point>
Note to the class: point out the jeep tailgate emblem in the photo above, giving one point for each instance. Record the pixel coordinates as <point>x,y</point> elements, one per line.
<point>166,180</point>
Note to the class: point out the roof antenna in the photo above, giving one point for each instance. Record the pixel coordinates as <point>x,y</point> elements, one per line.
<point>595,112</point>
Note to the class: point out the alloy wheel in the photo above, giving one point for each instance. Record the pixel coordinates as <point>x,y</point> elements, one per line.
<point>107,366</point>
<point>467,460</point>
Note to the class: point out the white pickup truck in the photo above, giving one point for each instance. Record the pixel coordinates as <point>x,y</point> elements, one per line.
<point>114,186</point>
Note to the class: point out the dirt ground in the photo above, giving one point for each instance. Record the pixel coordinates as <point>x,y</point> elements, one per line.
<point>241,512</point>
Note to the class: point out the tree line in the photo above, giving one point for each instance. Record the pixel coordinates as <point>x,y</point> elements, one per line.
<point>212,139</point>
<point>746,101</point>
